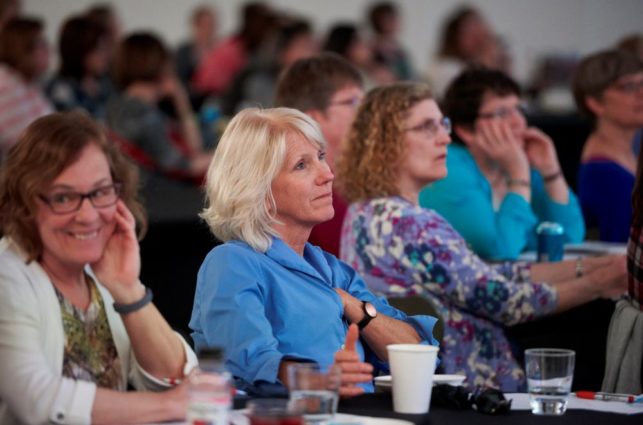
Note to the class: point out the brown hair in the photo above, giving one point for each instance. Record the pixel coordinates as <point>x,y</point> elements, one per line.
<point>48,146</point>
<point>449,43</point>
<point>141,57</point>
<point>79,37</point>
<point>19,40</point>
<point>373,151</point>
<point>309,84</point>
<point>599,71</point>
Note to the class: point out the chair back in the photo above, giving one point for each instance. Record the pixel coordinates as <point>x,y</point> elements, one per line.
<point>417,305</point>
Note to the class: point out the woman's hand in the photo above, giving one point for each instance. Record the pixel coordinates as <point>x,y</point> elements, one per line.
<point>120,266</point>
<point>611,280</point>
<point>353,370</point>
<point>541,151</point>
<point>497,140</point>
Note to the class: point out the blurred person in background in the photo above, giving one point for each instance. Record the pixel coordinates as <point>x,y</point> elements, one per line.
<point>82,80</point>
<point>9,9</point>
<point>106,16</point>
<point>501,168</point>
<point>634,45</point>
<point>24,59</point>
<point>328,89</point>
<point>608,88</point>
<point>346,40</point>
<point>218,68</point>
<point>144,73</point>
<point>385,22</point>
<point>256,85</point>
<point>76,324</point>
<point>188,56</point>
<point>466,39</point>
<point>396,146</point>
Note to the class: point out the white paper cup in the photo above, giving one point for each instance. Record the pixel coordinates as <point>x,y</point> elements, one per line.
<point>412,369</point>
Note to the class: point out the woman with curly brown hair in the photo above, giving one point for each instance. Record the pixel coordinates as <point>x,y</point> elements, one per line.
<point>397,145</point>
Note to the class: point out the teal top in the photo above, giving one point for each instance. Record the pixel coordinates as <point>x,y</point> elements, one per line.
<point>465,199</point>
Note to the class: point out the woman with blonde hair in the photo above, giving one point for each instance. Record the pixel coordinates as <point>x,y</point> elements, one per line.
<point>397,145</point>
<point>266,295</point>
<point>76,324</point>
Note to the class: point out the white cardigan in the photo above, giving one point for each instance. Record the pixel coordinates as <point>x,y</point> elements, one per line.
<point>32,388</point>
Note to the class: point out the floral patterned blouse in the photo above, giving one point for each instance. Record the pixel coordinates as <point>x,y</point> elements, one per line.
<point>90,353</point>
<point>401,249</point>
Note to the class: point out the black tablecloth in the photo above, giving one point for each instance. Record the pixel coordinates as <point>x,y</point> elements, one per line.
<point>381,405</point>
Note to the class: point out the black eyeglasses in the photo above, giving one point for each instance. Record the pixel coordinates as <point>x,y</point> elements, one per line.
<point>504,111</point>
<point>431,127</point>
<point>66,202</point>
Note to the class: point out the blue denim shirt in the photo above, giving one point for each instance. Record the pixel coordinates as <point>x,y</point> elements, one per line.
<point>263,308</point>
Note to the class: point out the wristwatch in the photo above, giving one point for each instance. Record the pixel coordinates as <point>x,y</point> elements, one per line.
<point>370,313</point>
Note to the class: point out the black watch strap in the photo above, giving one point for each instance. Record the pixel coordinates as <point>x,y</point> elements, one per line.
<point>366,319</point>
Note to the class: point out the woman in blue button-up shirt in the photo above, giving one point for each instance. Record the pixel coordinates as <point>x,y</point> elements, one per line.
<point>266,295</point>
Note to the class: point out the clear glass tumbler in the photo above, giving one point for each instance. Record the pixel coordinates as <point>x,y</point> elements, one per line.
<point>549,379</point>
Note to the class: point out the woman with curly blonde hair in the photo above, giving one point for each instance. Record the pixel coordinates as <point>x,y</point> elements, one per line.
<point>397,145</point>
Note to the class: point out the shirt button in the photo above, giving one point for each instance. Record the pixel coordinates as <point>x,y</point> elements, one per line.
<point>60,416</point>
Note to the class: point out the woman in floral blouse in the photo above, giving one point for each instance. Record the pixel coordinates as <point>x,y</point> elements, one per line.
<point>397,145</point>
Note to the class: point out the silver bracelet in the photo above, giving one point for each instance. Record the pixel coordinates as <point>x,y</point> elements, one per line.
<point>580,268</point>
<point>131,308</point>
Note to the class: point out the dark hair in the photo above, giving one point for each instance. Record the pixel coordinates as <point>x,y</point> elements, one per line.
<point>48,146</point>
<point>19,40</point>
<point>598,71</point>
<point>379,12</point>
<point>257,21</point>
<point>451,31</point>
<point>140,57</point>
<point>79,37</point>
<point>340,38</point>
<point>290,31</point>
<point>464,95</point>
<point>309,84</point>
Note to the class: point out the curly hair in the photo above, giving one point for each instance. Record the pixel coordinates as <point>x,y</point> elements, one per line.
<point>45,149</point>
<point>373,150</point>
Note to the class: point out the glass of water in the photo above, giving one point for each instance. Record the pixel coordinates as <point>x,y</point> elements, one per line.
<point>314,389</point>
<point>549,379</point>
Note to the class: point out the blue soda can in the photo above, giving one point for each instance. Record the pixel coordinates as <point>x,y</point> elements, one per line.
<point>550,241</point>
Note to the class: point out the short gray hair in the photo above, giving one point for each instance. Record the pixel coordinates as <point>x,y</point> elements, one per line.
<point>250,154</point>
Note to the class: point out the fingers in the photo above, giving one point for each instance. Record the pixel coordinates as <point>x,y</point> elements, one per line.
<point>352,335</point>
<point>350,391</point>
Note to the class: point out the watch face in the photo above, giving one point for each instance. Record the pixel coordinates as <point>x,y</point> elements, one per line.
<point>370,309</point>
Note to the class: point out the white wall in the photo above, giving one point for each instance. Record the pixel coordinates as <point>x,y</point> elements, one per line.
<point>531,27</point>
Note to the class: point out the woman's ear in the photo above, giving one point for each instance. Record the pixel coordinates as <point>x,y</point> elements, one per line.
<point>594,105</point>
<point>466,133</point>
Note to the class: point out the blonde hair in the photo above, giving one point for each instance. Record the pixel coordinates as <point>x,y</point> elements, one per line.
<point>240,204</point>
<point>368,165</point>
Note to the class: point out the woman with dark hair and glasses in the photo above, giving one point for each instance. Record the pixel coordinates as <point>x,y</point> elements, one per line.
<point>608,88</point>
<point>398,144</point>
<point>501,169</point>
<point>76,324</point>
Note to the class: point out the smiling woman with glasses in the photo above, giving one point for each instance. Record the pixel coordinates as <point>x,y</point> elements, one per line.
<point>77,327</point>
<point>608,88</point>
<point>397,145</point>
<point>500,167</point>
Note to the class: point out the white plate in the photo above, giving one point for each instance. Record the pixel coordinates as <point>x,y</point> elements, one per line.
<point>386,381</point>
<point>344,419</point>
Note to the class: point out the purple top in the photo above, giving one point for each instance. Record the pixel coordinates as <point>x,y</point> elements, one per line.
<point>402,249</point>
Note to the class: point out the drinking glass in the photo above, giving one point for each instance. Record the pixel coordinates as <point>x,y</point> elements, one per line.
<point>549,379</point>
<point>314,389</point>
<point>274,411</point>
